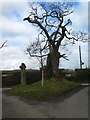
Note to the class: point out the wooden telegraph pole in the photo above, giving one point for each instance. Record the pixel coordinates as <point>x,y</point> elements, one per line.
<point>81,63</point>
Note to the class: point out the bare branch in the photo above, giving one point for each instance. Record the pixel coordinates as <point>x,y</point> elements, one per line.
<point>38,23</point>
<point>64,56</point>
<point>32,55</point>
<point>3,45</point>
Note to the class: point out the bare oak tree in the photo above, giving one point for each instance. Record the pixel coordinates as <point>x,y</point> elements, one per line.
<point>50,18</point>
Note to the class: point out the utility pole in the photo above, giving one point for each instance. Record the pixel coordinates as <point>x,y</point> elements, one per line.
<point>81,63</point>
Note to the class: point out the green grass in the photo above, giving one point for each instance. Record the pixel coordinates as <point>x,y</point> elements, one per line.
<point>51,89</point>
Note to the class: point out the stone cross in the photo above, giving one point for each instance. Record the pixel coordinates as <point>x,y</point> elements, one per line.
<point>23,73</point>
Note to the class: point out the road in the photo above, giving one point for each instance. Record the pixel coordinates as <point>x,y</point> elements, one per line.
<point>70,105</point>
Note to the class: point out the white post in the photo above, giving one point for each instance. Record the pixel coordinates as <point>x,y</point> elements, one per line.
<point>42,77</point>
<point>80,57</point>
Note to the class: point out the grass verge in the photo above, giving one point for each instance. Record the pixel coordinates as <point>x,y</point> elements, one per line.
<point>51,89</point>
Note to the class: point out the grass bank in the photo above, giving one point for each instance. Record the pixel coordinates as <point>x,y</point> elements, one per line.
<point>51,89</point>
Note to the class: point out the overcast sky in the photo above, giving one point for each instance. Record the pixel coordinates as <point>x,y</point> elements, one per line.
<point>19,34</point>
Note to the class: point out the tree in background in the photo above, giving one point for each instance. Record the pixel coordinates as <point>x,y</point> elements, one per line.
<point>50,19</point>
<point>35,49</point>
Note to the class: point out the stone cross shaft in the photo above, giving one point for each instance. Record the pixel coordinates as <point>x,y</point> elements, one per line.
<point>23,73</point>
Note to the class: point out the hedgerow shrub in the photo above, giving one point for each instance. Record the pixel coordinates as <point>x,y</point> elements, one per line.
<point>14,77</point>
<point>33,76</point>
<point>83,75</point>
<point>10,78</point>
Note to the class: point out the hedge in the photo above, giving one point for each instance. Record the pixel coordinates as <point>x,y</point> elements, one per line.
<point>10,78</point>
<point>14,77</point>
<point>83,75</point>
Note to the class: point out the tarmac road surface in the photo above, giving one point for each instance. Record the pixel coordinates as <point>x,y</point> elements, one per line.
<point>73,104</point>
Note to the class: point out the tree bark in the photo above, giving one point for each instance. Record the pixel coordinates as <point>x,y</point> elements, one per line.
<point>53,64</point>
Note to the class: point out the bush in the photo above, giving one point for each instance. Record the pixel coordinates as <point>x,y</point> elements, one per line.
<point>33,76</point>
<point>8,80</point>
<point>83,75</point>
<point>78,75</point>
